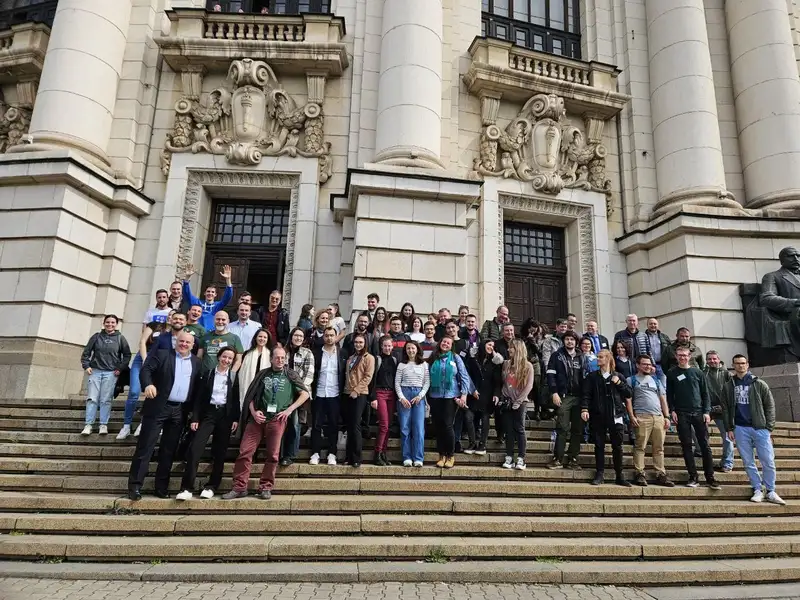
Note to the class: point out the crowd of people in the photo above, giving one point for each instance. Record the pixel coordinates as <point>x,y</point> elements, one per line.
<point>206,374</point>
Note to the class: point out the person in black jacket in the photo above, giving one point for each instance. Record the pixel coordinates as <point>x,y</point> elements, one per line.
<point>565,380</point>
<point>362,328</point>
<point>382,395</point>
<point>215,411</point>
<point>604,394</point>
<point>327,388</point>
<point>169,378</point>
<point>488,380</point>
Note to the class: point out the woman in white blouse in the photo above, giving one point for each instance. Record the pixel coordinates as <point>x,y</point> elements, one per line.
<point>256,358</point>
<point>411,384</point>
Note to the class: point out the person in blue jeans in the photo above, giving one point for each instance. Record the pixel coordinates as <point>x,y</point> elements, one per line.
<point>211,306</point>
<point>411,383</point>
<point>150,335</point>
<point>103,357</point>
<point>749,412</point>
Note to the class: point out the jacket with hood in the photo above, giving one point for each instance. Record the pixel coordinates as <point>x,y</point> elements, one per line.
<point>716,378</point>
<point>106,352</point>
<point>762,404</point>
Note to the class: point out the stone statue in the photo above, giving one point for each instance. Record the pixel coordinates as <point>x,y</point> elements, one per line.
<point>772,319</point>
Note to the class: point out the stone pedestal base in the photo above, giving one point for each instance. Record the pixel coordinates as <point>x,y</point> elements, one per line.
<point>37,368</point>
<point>784,381</point>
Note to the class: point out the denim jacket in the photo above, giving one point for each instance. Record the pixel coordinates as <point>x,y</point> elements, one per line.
<point>459,386</point>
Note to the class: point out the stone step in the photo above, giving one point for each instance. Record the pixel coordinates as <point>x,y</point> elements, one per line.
<point>94,458</point>
<point>264,548</point>
<point>378,524</point>
<point>635,573</point>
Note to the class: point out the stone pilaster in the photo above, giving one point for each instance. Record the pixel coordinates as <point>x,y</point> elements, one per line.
<point>78,86</point>
<point>688,150</point>
<point>409,125</point>
<point>767,92</point>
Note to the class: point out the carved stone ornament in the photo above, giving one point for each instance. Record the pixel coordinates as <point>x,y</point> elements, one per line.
<point>249,117</point>
<point>542,147</point>
<point>13,125</point>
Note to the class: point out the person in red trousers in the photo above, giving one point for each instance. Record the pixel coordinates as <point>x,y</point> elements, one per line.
<point>271,399</point>
<point>382,395</point>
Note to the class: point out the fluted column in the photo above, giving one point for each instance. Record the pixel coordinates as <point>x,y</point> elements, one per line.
<point>688,149</point>
<point>78,86</point>
<point>767,95</point>
<point>409,126</point>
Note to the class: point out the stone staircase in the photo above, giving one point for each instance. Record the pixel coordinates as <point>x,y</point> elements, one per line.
<point>63,503</point>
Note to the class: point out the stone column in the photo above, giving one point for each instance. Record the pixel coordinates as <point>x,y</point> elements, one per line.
<point>688,150</point>
<point>767,95</point>
<point>409,126</point>
<point>78,87</point>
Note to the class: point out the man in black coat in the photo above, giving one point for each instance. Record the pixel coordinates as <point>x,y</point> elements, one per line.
<point>169,378</point>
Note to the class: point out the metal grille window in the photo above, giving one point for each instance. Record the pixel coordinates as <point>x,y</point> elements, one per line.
<point>275,7</point>
<point>545,25</point>
<point>251,224</point>
<point>529,245</point>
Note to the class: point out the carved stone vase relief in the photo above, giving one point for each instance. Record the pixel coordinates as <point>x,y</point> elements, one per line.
<point>249,117</point>
<point>541,146</point>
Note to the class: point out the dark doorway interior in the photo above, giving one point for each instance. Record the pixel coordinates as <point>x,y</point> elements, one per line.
<point>535,272</point>
<point>251,237</point>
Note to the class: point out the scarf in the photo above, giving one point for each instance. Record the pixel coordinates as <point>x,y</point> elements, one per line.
<point>442,370</point>
<point>247,372</point>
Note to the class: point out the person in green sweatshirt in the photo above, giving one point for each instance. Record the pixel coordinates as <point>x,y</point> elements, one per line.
<point>690,407</point>
<point>716,378</point>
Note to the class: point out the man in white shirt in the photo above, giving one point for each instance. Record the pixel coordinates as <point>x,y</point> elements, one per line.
<point>160,311</point>
<point>327,386</point>
<point>244,328</point>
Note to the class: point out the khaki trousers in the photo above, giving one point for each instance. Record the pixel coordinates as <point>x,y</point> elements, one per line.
<point>651,428</point>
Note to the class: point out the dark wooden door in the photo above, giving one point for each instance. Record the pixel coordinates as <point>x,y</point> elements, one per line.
<point>216,259</point>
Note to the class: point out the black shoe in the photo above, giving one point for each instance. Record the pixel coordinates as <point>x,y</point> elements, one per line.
<point>356,465</point>
<point>622,482</point>
<point>640,480</point>
<point>714,484</point>
<point>385,460</point>
<point>664,481</point>
<point>161,494</point>
<point>233,494</point>
<point>264,495</point>
<point>379,459</point>
<point>480,450</point>
<point>285,462</point>
<point>471,450</point>
<point>135,494</point>
<point>598,478</point>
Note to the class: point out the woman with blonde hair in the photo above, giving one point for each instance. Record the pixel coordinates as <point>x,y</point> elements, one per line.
<point>604,394</point>
<point>517,384</point>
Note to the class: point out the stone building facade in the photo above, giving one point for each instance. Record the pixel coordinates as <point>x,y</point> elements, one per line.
<point>598,156</point>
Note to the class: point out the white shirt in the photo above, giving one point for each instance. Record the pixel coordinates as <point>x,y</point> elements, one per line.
<point>219,391</point>
<point>159,315</point>
<point>244,331</point>
<point>183,377</point>
<point>328,384</point>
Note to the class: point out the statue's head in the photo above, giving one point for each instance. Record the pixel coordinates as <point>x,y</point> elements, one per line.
<point>790,259</point>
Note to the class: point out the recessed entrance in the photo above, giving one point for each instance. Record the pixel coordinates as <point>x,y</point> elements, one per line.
<point>251,237</point>
<point>535,272</point>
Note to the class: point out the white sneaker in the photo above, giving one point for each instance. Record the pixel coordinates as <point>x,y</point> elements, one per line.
<point>418,463</point>
<point>207,494</point>
<point>103,430</point>
<point>758,496</point>
<point>138,431</point>
<point>314,460</point>
<point>509,464</point>
<point>332,459</point>
<point>520,464</point>
<point>407,462</point>
<point>184,495</point>
<point>124,432</point>
<point>87,430</point>
<point>773,498</point>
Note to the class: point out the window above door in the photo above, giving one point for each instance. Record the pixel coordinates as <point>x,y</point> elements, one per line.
<point>551,26</point>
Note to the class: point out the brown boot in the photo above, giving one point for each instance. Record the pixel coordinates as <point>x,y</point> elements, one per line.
<point>451,460</point>
<point>441,461</point>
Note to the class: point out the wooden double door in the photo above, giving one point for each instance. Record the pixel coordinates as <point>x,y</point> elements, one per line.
<point>257,269</point>
<point>535,273</point>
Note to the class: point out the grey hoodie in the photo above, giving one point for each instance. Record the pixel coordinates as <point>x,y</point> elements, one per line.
<point>106,352</point>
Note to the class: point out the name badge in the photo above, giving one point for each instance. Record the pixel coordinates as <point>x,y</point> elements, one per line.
<point>618,420</point>
<point>463,353</point>
<point>681,377</point>
<point>223,345</point>
<point>272,408</point>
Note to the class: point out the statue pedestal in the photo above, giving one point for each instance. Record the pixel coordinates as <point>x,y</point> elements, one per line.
<point>784,381</point>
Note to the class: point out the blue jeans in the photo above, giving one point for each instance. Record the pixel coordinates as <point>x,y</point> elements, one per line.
<point>748,438</point>
<point>101,390</point>
<point>412,426</point>
<point>727,445</point>
<point>134,389</point>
